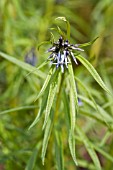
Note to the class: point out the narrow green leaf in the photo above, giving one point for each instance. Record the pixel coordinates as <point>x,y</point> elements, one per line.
<point>61,32</point>
<point>73,113</point>
<point>105,139</point>
<point>93,72</point>
<point>104,114</point>
<point>93,115</point>
<point>23,65</point>
<point>88,92</point>
<point>107,80</point>
<point>18,109</point>
<point>89,43</point>
<point>72,128</point>
<point>47,133</point>
<point>68,30</point>
<point>68,25</point>
<point>39,67</point>
<point>40,112</point>
<point>59,152</point>
<point>66,109</point>
<point>104,153</point>
<point>70,119</point>
<point>89,148</point>
<point>72,110</point>
<point>71,141</point>
<point>97,148</point>
<point>106,105</point>
<point>45,83</point>
<point>51,96</point>
<point>52,38</point>
<point>85,164</point>
<point>32,160</point>
<point>73,86</point>
<point>42,43</point>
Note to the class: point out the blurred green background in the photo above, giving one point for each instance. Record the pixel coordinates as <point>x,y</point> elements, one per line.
<point>24,24</point>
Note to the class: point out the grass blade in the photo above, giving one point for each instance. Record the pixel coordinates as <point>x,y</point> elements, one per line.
<point>23,65</point>
<point>17,109</point>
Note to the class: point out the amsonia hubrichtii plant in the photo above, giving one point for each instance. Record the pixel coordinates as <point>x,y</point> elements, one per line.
<point>59,98</point>
<point>60,84</point>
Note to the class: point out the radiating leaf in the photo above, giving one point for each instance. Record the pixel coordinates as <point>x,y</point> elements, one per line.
<point>45,83</point>
<point>71,141</point>
<point>68,25</point>
<point>72,110</point>
<point>52,38</point>
<point>72,125</point>
<point>85,164</point>
<point>42,43</point>
<point>105,139</point>
<point>93,72</point>
<point>66,109</point>
<point>89,148</point>
<point>103,114</point>
<point>89,43</point>
<point>61,32</point>
<point>32,160</point>
<point>73,85</point>
<point>51,96</point>
<point>70,120</point>
<point>94,116</point>
<point>37,68</point>
<point>41,109</point>
<point>88,92</point>
<point>47,133</point>
<point>104,153</point>
<point>59,152</point>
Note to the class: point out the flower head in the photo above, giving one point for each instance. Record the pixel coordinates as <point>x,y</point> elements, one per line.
<point>61,52</point>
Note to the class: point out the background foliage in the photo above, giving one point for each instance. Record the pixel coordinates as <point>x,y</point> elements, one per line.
<point>22,26</point>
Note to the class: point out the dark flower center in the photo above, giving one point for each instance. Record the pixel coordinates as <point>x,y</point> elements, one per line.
<point>61,52</point>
